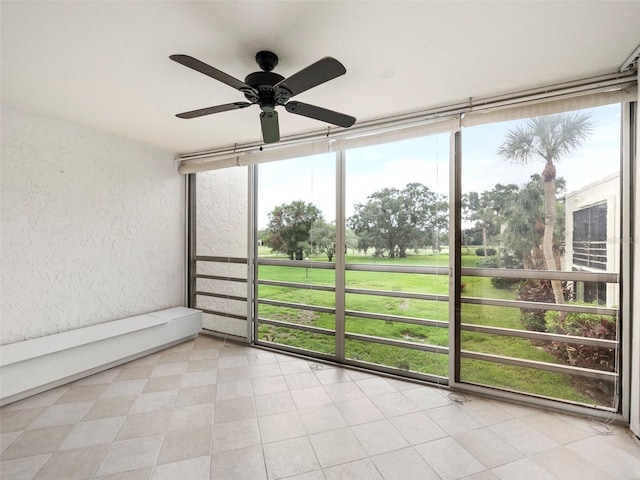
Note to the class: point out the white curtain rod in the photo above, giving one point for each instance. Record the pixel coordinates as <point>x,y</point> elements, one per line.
<point>589,85</point>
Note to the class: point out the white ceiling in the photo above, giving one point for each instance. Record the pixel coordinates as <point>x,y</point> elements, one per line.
<point>105,64</point>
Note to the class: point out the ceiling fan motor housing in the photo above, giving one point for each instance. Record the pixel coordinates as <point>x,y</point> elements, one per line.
<point>263,82</point>
<point>268,97</point>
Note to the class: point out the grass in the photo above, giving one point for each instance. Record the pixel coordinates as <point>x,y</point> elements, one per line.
<point>473,371</point>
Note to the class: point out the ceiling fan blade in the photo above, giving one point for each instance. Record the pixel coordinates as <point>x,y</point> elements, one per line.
<point>217,109</point>
<point>322,114</point>
<point>315,74</point>
<point>270,127</point>
<point>212,72</point>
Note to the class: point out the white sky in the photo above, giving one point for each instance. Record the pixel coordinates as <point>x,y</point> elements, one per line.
<point>426,160</point>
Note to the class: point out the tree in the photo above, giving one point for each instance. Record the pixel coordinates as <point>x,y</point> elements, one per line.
<point>352,240</point>
<point>439,223</point>
<point>524,228</point>
<point>289,226</point>
<point>487,210</point>
<point>393,220</point>
<point>549,138</point>
<point>322,238</point>
<point>522,241</point>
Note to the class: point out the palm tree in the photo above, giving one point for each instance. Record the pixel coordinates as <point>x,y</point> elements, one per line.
<point>549,138</point>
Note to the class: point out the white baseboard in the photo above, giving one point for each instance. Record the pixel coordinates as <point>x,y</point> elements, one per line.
<point>35,365</point>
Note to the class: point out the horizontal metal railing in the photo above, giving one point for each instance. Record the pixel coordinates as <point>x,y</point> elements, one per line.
<point>397,318</point>
<point>397,294</point>
<point>221,278</point>
<point>296,263</point>
<point>202,292</point>
<point>402,269</point>
<point>365,267</point>
<point>309,286</point>
<point>297,326</point>
<point>217,259</point>
<point>220,313</point>
<point>222,295</point>
<point>537,365</point>
<point>397,343</point>
<point>600,276</point>
<point>539,305</point>
<point>544,336</point>
<point>298,306</point>
<point>606,277</point>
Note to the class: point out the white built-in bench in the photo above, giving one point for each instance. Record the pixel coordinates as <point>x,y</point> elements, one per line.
<point>32,366</point>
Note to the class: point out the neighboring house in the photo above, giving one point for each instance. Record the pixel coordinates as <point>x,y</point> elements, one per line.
<point>592,235</point>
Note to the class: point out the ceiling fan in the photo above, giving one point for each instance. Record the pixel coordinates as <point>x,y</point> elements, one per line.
<point>268,90</point>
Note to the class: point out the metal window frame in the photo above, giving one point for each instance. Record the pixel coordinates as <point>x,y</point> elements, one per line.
<point>252,252</point>
<point>191,240</point>
<point>621,413</point>
<point>341,261</point>
<point>628,204</point>
<point>455,273</point>
<point>455,246</point>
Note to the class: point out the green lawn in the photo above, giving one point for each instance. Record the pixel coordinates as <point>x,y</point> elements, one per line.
<point>473,371</point>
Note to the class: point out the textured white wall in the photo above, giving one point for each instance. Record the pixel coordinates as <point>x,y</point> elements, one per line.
<point>221,230</point>
<point>92,227</point>
<point>222,206</point>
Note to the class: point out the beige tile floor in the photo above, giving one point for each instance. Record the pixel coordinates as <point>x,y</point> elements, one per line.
<point>209,410</point>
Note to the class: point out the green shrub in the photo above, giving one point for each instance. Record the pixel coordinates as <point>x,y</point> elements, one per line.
<point>504,283</point>
<point>494,262</point>
<point>508,260</point>
<point>490,252</point>
<point>534,291</point>
<point>533,320</point>
<point>488,262</point>
<point>589,325</point>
